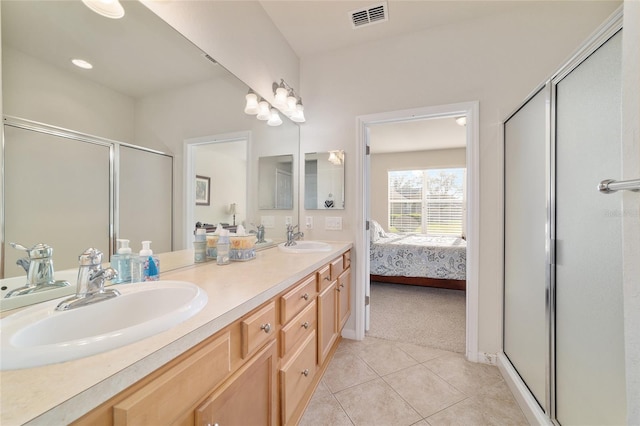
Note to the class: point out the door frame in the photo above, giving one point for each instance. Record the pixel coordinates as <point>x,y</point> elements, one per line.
<point>471,111</point>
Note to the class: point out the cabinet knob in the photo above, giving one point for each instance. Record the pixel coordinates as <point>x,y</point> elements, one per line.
<point>305,296</point>
<point>305,372</point>
<point>266,327</point>
<point>306,324</point>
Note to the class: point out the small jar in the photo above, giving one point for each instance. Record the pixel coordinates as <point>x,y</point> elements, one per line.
<point>200,251</point>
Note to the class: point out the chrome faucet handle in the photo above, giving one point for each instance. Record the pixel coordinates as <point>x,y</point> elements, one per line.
<point>38,264</point>
<point>39,251</point>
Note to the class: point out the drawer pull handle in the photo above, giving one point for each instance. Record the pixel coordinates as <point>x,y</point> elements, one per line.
<point>327,278</point>
<point>305,373</point>
<point>305,296</point>
<point>341,285</point>
<point>306,324</point>
<point>338,288</point>
<point>266,327</point>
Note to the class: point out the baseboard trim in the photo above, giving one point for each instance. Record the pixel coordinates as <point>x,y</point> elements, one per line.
<point>528,404</point>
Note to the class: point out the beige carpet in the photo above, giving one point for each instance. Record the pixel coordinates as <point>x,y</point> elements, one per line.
<point>423,316</point>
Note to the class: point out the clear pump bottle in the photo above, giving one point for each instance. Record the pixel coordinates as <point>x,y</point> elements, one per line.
<point>145,266</point>
<point>121,262</point>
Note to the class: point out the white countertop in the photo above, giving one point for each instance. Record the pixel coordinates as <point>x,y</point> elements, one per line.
<point>61,393</point>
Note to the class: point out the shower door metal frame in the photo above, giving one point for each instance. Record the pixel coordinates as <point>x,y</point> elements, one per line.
<point>606,31</point>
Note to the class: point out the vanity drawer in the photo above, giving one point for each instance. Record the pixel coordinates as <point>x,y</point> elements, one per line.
<point>164,399</point>
<point>258,328</point>
<point>297,376</point>
<point>295,300</point>
<point>337,266</point>
<point>324,278</point>
<point>297,329</point>
<point>346,259</point>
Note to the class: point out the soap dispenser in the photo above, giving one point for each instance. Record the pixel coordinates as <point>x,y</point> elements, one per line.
<point>145,266</point>
<point>121,262</point>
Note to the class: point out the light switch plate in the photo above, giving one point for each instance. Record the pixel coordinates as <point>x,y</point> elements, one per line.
<point>308,221</point>
<point>333,223</point>
<point>268,221</point>
<point>288,220</point>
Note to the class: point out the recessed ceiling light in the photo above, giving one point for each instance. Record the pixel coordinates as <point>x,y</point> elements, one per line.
<point>81,63</point>
<point>108,8</point>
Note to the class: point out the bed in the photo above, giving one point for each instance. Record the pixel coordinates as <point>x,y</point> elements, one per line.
<point>418,259</point>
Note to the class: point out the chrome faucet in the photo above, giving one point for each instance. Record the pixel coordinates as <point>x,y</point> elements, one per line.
<point>91,277</point>
<point>260,234</point>
<point>39,267</point>
<point>293,236</point>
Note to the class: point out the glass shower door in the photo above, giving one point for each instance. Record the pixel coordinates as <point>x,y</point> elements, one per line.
<point>589,342</point>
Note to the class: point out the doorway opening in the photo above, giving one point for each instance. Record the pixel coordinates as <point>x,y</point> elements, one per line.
<point>369,208</point>
<point>217,158</point>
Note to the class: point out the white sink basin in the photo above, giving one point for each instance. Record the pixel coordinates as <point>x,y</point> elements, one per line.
<point>40,335</point>
<point>305,247</point>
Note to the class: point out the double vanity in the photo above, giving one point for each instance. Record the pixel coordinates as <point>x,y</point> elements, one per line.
<point>253,354</point>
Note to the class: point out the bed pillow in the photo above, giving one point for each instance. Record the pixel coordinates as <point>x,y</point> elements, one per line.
<point>376,231</point>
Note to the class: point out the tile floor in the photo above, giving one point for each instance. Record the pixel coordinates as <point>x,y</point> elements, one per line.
<point>380,382</point>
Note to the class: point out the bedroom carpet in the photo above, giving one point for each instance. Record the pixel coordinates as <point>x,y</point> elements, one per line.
<point>423,316</point>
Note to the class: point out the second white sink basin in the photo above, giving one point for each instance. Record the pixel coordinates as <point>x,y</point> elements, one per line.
<point>40,335</point>
<point>305,247</point>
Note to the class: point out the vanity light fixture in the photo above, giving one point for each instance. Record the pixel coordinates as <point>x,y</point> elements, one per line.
<point>107,8</point>
<point>285,100</point>
<point>81,63</point>
<point>251,107</point>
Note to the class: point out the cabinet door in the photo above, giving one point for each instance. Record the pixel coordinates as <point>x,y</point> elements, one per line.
<point>344,298</point>
<point>327,320</point>
<point>248,397</point>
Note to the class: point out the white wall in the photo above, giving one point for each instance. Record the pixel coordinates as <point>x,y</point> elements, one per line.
<point>496,60</point>
<point>238,34</point>
<point>37,91</point>
<point>416,160</point>
<point>225,164</point>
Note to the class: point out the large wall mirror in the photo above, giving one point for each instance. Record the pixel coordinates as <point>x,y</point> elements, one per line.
<point>324,180</point>
<point>149,88</point>
<point>275,187</point>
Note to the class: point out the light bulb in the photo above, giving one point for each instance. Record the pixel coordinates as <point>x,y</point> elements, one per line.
<point>275,119</point>
<point>251,107</point>
<point>264,112</point>
<point>280,100</point>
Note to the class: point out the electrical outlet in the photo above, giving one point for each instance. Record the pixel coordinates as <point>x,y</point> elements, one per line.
<point>308,221</point>
<point>333,223</point>
<point>288,220</point>
<point>268,222</point>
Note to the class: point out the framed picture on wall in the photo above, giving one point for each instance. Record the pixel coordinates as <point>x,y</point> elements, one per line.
<point>203,190</point>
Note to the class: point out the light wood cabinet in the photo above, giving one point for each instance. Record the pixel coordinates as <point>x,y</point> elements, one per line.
<point>344,298</point>
<point>248,397</point>
<point>261,369</point>
<point>327,320</point>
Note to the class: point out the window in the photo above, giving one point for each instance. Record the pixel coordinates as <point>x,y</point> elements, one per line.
<point>427,201</point>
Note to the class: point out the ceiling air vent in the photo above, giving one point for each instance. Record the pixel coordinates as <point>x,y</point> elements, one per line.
<point>370,15</point>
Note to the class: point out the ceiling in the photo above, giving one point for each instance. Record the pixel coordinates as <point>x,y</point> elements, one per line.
<point>314,26</point>
<point>137,55</point>
<point>417,135</point>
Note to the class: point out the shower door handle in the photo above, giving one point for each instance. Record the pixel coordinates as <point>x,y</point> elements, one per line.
<point>608,186</point>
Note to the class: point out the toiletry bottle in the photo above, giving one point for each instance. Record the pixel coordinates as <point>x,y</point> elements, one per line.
<point>146,266</point>
<point>121,262</point>
<point>223,247</point>
<point>200,246</point>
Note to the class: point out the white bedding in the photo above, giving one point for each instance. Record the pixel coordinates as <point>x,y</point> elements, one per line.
<point>419,255</point>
